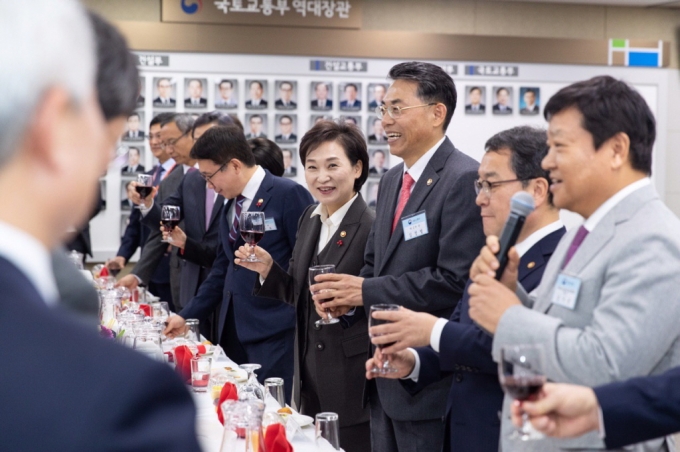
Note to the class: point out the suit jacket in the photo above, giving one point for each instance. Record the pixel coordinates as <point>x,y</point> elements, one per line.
<point>154,249</point>
<point>328,105</point>
<point>259,135</point>
<point>291,105</point>
<point>129,169</point>
<point>341,362</point>
<point>158,102</point>
<point>640,409</point>
<point>476,397</point>
<point>262,104</point>
<point>375,139</point>
<point>292,138</point>
<point>202,103</point>
<point>202,243</point>
<point>427,273</point>
<point>221,103</point>
<point>481,108</point>
<point>497,109</point>
<point>257,319</point>
<point>374,170</point>
<point>529,111</point>
<point>624,322</point>
<point>99,396</point>
<point>136,136</point>
<point>345,105</point>
<point>373,105</point>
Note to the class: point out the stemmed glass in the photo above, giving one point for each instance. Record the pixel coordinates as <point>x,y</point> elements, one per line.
<point>322,270</point>
<point>251,389</point>
<point>251,225</point>
<point>520,371</point>
<point>170,216</point>
<point>144,186</point>
<point>386,368</point>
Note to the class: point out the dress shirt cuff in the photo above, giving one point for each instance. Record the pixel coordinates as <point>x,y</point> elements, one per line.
<point>436,334</point>
<point>415,373</point>
<point>144,210</point>
<point>351,311</point>
<point>261,280</point>
<point>139,280</point>
<point>600,417</point>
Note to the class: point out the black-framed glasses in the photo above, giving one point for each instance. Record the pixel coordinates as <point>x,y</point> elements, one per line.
<point>207,178</point>
<point>484,186</point>
<point>173,142</point>
<point>395,110</point>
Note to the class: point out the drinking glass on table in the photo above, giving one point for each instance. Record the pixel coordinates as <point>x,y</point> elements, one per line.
<point>144,186</point>
<point>274,386</point>
<point>520,371</point>
<point>327,427</point>
<point>200,373</point>
<point>322,270</point>
<point>386,368</point>
<point>251,390</point>
<point>170,216</point>
<point>192,330</point>
<point>251,225</point>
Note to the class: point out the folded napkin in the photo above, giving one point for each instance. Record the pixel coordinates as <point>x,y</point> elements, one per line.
<point>183,357</point>
<point>275,439</point>
<point>146,309</point>
<point>229,392</point>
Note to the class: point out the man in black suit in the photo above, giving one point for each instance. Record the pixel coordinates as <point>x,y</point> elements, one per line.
<point>164,99</point>
<point>351,102</point>
<point>133,165</point>
<point>322,102</point>
<point>379,91</point>
<point>286,127</point>
<point>475,106</point>
<point>256,124</point>
<point>530,107</point>
<point>512,163</point>
<point>285,101</point>
<point>195,99</point>
<point>288,168</point>
<point>426,234</point>
<point>502,105</point>
<point>378,136</point>
<point>100,396</point>
<point>133,133</point>
<point>256,100</point>
<point>378,167</point>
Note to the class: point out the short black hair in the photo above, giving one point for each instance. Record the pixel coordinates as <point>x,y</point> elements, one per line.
<point>217,117</point>
<point>130,149</point>
<point>134,113</point>
<point>255,116</point>
<point>158,82</point>
<point>608,107</point>
<point>231,84</point>
<point>117,74</point>
<point>434,84</point>
<point>221,145</point>
<point>286,82</point>
<point>256,81</point>
<point>196,80</point>
<point>286,116</point>
<point>475,88</point>
<point>528,146</point>
<point>530,90</point>
<point>352,85</point>
<point>346,135</point>
<point>161,118</point>
<point>502,88</point>
<point>376,151</point>
<point>268,155</point>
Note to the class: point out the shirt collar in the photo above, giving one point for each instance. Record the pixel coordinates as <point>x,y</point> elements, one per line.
<point>253,185</point>
<point>526,244</point>
<point>417,168</point>
<point>169,163</point>
<point>609,204</point>
<point>31,258</point>
<point>337,216</point>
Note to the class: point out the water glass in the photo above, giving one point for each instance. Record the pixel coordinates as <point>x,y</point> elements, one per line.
<point>200,373</point>
<point>274,386</point>
<point>192,332</point>
<point>327,427</point>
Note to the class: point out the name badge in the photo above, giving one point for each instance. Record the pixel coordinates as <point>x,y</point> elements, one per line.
<point>566,290</point>
<point>414,225</point>
<point>269,224</point>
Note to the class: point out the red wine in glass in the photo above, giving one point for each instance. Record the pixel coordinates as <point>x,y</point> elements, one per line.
<point>521,388</point>
<point>252,238</point>
<point>252,227</point>
<point>386,368</point>
<point>143,190</point>
<point>170,217</point>
<point>144,186</point>
<point>169,225</point>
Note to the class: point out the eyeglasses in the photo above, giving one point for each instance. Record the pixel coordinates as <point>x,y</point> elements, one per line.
<point>486,186</point>
<point>207,178</point>
<point>395,110</point>
<point>172,143</point>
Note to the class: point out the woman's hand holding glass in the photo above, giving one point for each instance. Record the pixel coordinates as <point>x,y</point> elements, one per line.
<point>262,268</point>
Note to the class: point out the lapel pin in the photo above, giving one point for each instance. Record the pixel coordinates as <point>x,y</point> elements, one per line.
<point>343,234</point>
<point>339,243</point>
<point>429,182</point>
<point>259,202</point>
<point>531,264</point>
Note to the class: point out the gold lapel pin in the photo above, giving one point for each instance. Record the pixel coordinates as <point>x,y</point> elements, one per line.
<point>429,182</point>
<point>531,264</point>
<point>343,234</point>
<point>259,202</point>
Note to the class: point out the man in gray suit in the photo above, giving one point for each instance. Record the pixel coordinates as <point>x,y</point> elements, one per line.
<point>608,303</point>
<point>426,234</point>
<point>176,139</point>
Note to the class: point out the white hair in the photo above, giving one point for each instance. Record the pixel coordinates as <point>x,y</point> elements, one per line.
<point>43,44</point>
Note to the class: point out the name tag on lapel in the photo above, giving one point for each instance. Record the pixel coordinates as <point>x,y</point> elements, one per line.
<point>414,225</point>
<point>566,290</point>
<point>269,224</point>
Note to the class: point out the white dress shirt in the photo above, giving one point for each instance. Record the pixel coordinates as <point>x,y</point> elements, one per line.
<point>330,224</point>
<point>249,192</point>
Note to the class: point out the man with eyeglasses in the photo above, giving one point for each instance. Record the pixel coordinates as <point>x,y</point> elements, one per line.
<point>164,88</point>
<point>512,163</point>
<point>425,237</point>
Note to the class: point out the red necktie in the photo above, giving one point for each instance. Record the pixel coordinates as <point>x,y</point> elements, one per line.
<point>404,194</point>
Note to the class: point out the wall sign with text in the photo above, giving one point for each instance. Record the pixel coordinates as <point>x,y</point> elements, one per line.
<point>492,70</point>
<point>338,66</point>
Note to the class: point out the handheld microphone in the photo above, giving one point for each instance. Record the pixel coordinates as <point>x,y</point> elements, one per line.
<point>521,205</point>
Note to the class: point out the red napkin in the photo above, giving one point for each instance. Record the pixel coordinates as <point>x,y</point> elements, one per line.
<point>104,272</point>
<point>201,349</point>
<point>275,439</point>
<point>183,357</point>
<point>228,392</point>
<point>147,309</point>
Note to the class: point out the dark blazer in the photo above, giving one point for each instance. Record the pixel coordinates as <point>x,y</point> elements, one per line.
<point>128,169</point>
<point>373,105</point>
<point>292,138</point>
<point>291,105</point>
<point>262,104</point>
<point>480,109</point>
<point>497,109</point>
<point>375,139</point>
<point>327,106</point>
<point>529,111</point>
<point>202,103</point>
<point>374,170</point>
<point>256,318</point>
<point>640,409</point>
<point>476,397</point>
<point>340,365</point>
<point>98,396</point>
<point>201,246</point>
<point>136,136</point>
<point>157,102</point>
<point>427,273</point>
<point>154,249</point>
<point>355,106</point>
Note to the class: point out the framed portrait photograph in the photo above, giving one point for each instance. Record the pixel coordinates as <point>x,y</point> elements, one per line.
<point>257,94</point>
<point>376,94</point>
<point>349,94</point>
<point>286,95</point>
<point>321,94</point>
<point>375,131</point>
<point>372,193</point>
<point>502,100</point>
<point>134,127</point>
<point>125,180</point>
<point>195,93</point>
<point>313,119</point>
<point>289,162</point>
<point>351,119</point>
<point>226,93</point>
<point>475,100</point>
<point>133,165</point>
<point>164,92</point>
<point>256,125</point>
<point>285,128</point>
<point>141,98</point>
<point>378,162</point>
<point>529,100</point>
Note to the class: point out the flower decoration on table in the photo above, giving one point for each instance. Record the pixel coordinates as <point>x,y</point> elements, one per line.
<point>339,243</point>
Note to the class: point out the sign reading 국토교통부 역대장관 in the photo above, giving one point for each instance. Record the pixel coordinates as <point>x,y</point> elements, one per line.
<point>291,13</point>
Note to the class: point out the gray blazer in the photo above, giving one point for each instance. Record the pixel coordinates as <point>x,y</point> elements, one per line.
<point>151,255</point>
<point>427,273</point>
<point>625,321</point>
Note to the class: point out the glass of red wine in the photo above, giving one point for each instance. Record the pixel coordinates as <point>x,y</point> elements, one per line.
<point>322,270</point>
<point>144,186</point>
<point>386,367</point>
<point>251,225</point>
<point>520,371</point>
<point>170,216</point>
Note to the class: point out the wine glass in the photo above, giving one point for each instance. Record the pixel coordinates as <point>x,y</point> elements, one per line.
<point>251,225</point>
<point>170,216</point>
<point>144,186</point>
<point>386,368</point>
<point>322,270</point>
<point>520,371</point>
<point>251,390</point>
